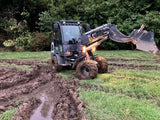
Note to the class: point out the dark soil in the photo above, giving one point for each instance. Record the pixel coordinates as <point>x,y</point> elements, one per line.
<point>28,86</point>
<point>25,110</point>
<point>68,106</point>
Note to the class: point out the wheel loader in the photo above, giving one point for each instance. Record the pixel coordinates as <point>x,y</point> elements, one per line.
<point>74,43</point>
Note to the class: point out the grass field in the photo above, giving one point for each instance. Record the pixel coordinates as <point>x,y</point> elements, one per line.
<point>29,56</point>
<point>125,93</point>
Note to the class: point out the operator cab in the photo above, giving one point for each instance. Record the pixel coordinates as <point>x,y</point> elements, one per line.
<point>66,34</point>
<point>71,34</point>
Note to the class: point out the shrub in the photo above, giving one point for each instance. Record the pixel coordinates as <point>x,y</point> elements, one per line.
<point>20,43</point>
<point>41,41</point>
<point>2,39</point>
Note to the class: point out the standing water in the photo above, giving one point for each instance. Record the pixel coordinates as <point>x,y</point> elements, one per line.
<point>44,111</point>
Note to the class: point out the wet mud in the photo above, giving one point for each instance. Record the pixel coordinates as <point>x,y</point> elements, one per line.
<point>45,109</point>
<point>39,94</point>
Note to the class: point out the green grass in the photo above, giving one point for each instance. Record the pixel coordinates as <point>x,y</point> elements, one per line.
<point>23,67</point>
<point>149,62</point>
<point>141,84</point>
<point>8,114</point>
<point>127,54</point>
<point>67,73</point>
<point>104,106</point>
<point>119,54</point>
<point>124,94</point>
<point>17,55</point>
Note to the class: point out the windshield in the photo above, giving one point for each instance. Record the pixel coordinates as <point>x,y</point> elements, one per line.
<point>71,33</point>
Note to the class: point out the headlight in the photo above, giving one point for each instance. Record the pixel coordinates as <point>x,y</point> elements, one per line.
<point>84,49</point>
<point>68,53</point>
<point>94,49</point>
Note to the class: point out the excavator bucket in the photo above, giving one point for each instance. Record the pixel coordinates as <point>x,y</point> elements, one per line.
<point>143,39</point>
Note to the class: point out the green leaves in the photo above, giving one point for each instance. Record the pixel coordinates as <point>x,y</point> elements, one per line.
<point>22,42</point>
<point>127,15</point>
<point>40,14</point>
<point>45,21</point>
<point>8,43</point>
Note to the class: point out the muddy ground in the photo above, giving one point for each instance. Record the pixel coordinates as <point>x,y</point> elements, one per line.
<point>42,94</point>
<point>39,93</point>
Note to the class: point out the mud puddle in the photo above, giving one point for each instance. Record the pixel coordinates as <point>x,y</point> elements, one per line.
<point>44,95</point>
<point>44,111</point>
<point>48,99</point>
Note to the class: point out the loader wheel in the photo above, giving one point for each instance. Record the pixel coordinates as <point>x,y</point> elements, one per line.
<point>86,70</point>
<point>55,65</point>
<point>102,65</point>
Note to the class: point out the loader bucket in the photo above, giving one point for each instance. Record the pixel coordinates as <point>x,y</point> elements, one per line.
<point>146,43</point>
<point>143,39</point>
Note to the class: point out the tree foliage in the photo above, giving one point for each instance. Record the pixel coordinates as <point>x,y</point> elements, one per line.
<point>126,14</point>
<point>20,38</point>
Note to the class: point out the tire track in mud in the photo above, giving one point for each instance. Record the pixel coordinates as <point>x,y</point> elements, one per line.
<point>127,60</point>
<point>28,86</point>
<point>132,66</point>
<point>138,67</point>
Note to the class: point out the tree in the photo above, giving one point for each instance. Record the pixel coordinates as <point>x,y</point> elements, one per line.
<point>126,14</point>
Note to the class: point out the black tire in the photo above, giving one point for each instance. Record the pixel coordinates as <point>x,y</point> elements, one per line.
<point>55,65</point>
<point>86,70</point>
<point>102,65</point>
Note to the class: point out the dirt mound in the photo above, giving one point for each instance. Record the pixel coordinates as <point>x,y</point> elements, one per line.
<point>68,106</point>
<point>40,87</point>
<point>25,110</point>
